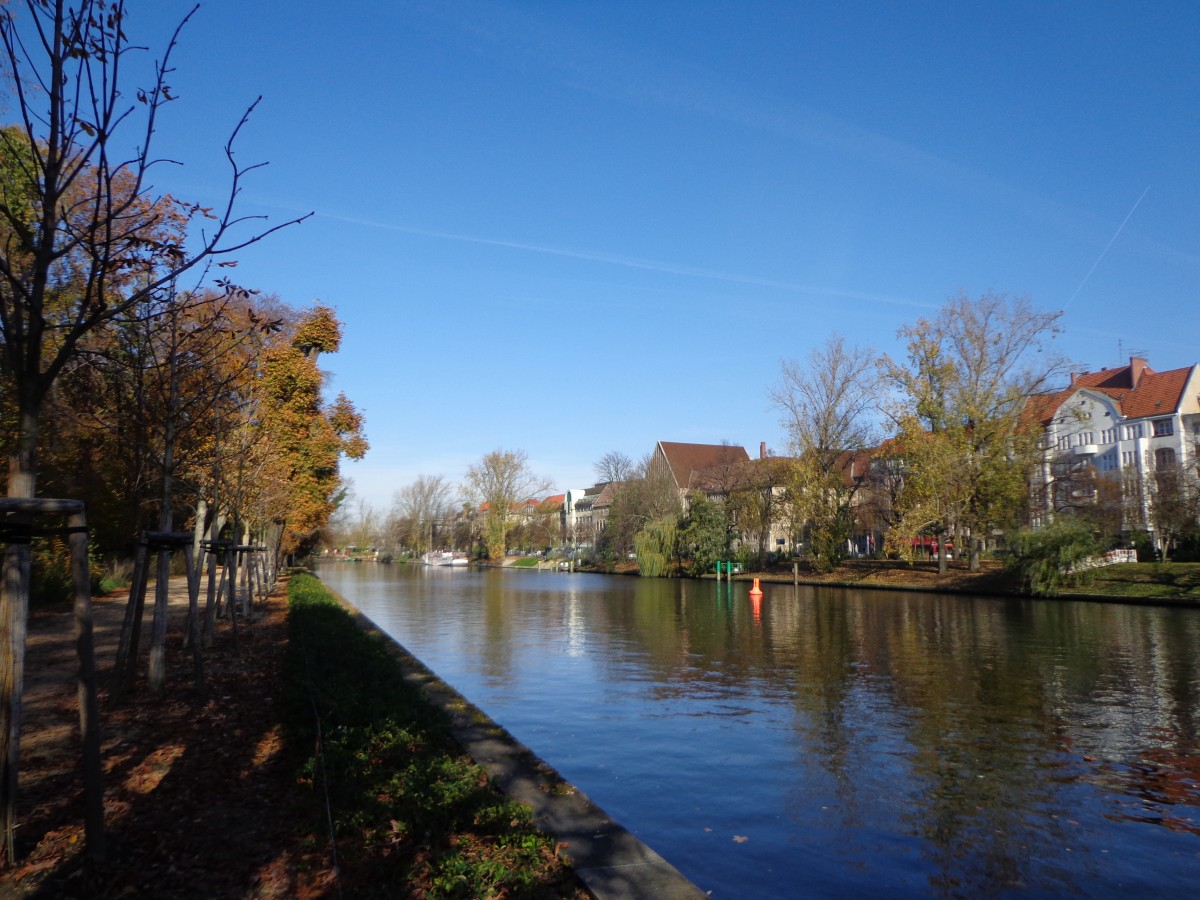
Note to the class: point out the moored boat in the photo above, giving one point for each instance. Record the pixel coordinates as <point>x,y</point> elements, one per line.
<point>444,558</point>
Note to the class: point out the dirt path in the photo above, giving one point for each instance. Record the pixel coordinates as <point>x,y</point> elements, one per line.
<point>50,720</point>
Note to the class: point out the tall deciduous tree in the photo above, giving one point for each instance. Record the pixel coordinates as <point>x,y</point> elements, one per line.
<point>305,437</point>
<point>500,479</point>
<point>967,448</point>
<point>83,238</point>
<point>760,502</point>
<point>829,407</point>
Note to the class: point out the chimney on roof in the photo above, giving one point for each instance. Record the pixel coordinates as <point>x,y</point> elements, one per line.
<point>762,449</point>
<point>1137,365</point>
<point>1074,378</point>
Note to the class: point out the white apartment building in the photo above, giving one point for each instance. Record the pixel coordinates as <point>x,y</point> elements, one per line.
<point>1128,421</point>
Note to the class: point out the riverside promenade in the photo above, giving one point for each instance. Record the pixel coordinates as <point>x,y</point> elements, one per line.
<point>185,775</point>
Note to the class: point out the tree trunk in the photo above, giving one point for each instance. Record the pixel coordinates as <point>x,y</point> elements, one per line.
<point>193,620</point>
<point>157,671</point>
<point>14,617</point>
<point>131,628</point>
<point>213,600</point>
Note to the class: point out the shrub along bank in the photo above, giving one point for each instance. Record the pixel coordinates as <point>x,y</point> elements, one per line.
<point>410,813</point>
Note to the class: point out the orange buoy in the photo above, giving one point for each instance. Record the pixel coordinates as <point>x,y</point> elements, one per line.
<point>756,591</point>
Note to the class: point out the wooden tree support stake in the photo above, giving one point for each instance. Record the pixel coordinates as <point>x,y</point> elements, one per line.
<point>17,531</point>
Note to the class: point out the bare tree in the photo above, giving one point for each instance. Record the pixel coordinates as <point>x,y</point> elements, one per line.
<point>829,404</point>
<point>421,506</point>
<point>828,408</point>
<point>614,466</point>
<point>84,238</point>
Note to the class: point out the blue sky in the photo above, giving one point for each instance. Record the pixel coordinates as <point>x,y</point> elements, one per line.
<point>571,228</point>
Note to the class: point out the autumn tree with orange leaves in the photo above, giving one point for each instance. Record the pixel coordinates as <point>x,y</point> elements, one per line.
<point>84,238</point>
<point>304,436</point>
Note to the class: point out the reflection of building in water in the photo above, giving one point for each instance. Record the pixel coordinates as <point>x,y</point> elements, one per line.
<point>1166,785</point>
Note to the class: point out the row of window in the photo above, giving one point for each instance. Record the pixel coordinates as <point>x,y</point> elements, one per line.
<point>1163,457</point>
<point>1160,428</point>
<point>1132,432</point>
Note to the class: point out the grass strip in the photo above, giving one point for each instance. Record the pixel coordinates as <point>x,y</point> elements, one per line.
<point>1160,580</point>
<point>411,813</point>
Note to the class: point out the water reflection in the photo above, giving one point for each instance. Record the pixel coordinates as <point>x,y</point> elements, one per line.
<point>854,742</point>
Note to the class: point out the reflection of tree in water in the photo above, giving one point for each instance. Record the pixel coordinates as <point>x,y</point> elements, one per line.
<point>1133,710</point>
<point>949,747</point>
<point>981,759</point>
<point>943,686</point>
<point>980,807</point>
<point>1159,774</point>
<point>823,689</point>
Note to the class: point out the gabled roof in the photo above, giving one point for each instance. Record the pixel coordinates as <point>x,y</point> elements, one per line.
<point>598,496</point>
<point>1042,407</point>
<point>739,476</point>
<point>1157,394</point>
<point>1137,389</point>
<point>605,498</point>
<point>686,459</point>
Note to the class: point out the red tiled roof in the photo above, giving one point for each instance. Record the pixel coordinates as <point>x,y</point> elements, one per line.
<point>1042,407</point>
<point>1155,393</point>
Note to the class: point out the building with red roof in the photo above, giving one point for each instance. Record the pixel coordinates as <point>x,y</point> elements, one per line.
<point>1123,424</point>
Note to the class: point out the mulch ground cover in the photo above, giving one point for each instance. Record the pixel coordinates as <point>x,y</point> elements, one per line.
<point>200,799</point>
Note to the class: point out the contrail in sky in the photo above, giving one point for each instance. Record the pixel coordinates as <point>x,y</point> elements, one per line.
<point>635,263</point>
<point>1105,250</point>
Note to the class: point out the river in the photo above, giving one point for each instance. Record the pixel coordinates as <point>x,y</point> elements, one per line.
<point>826,742</point>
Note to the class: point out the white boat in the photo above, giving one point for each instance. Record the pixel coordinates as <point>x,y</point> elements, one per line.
<point>445,558</point>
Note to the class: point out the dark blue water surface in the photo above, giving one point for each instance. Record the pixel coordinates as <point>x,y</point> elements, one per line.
<point>833,743</point>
